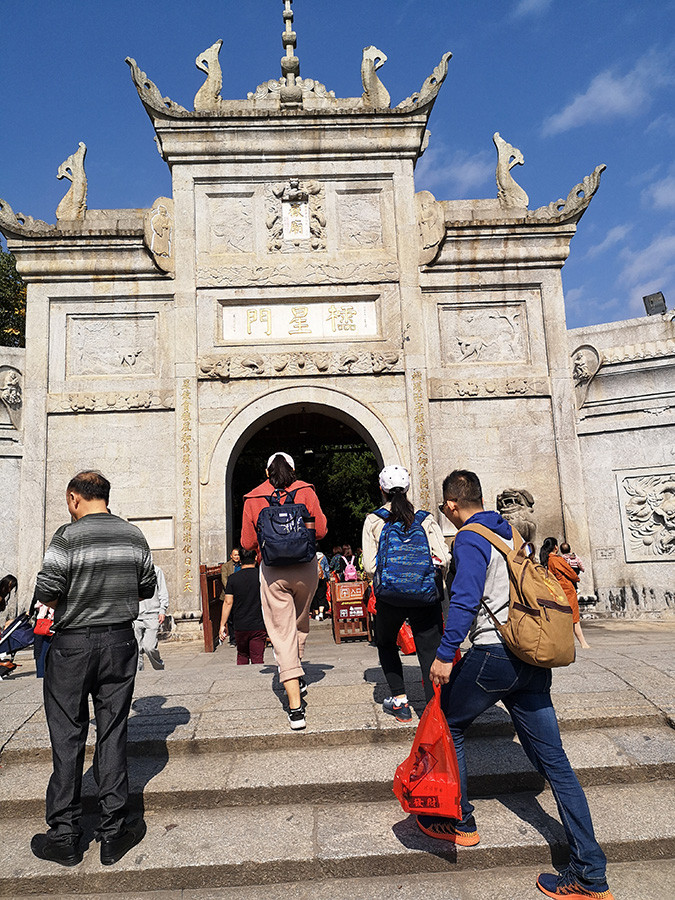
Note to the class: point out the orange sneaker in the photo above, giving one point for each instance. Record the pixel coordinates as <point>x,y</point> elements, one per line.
<point>446,830</point>
<point>567,885</point>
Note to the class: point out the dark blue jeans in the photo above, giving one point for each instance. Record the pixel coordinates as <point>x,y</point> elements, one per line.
<point>490,673</point>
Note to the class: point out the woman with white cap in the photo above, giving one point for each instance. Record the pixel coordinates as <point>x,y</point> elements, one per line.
<point>286,590</point>
<point>401,551</point>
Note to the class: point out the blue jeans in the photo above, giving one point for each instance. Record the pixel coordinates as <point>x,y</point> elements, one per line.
<point>490,673</point>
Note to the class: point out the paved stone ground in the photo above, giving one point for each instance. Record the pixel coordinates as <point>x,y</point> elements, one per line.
<point>628,674</point>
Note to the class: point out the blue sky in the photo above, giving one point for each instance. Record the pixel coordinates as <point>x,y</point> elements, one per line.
<point>571,83</point>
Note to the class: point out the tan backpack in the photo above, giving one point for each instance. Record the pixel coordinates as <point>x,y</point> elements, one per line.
<point>539,627</point>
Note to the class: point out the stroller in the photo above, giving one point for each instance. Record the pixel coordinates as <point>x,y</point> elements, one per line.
<point>17,635</point>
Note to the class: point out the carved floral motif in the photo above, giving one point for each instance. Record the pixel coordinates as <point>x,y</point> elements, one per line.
<point>649,507</point>
<point>111,402</point>
<point>308,273</point>
<point>349,362</point>
<point>309,86</point>
<point>440,389</point>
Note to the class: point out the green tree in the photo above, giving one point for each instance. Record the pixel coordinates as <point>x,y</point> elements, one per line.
<point>12,303</point>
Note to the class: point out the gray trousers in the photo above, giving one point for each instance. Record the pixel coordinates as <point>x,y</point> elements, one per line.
<point>146,627</point>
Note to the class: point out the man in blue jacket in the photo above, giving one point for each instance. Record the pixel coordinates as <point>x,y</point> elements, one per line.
<point>488,673</point>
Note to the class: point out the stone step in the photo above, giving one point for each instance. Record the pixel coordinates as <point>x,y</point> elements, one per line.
<point>354,774</point>
<point>239,846</point>
<point>628,881</point>
<point>248,715</point>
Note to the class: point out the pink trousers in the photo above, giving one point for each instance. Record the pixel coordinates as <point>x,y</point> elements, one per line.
<point>286,593</point>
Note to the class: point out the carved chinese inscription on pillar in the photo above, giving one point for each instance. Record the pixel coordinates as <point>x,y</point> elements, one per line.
<point>312,321</point>
<point>421,438</point>
<point>187,512</point>
<point>648,515</point>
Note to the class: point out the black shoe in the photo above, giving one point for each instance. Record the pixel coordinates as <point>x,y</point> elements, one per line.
<point>296,719</point>
<point>303,687</point>
<point>65,852</point>
<point>113,849</point>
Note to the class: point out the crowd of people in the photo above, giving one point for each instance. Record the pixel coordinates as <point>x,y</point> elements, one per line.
<point>96,569</point>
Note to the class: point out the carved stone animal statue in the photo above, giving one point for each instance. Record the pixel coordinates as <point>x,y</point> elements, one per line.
<point>515,505</point>
<point>208,98</point>
<point>375,93</point>
<point>509,193</point>
<point>74,204</point>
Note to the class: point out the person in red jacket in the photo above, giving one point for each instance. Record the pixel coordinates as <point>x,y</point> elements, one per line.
<point>286,591</point>
<point>568,578</point>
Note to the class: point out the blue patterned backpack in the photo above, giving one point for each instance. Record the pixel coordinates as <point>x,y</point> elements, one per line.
<point>404,573</point>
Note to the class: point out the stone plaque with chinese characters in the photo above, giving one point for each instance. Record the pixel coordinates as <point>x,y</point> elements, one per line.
<point>317,321</point>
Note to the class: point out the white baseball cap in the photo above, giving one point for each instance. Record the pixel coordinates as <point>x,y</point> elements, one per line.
<point>289,459</point>
<point>394,477</point>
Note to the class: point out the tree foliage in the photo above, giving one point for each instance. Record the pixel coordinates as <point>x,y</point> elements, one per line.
<point>12,303</point>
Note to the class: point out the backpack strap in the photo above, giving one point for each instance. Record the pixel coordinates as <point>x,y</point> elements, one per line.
<point>382,513</point>
<point>493,538</point>
<point>420,516</point>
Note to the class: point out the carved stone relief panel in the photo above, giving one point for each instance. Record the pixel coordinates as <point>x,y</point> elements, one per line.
<point>11,397</point>
<point>158,233</point>
<point>295,364</point>
<point>231,223</point>
<point>123,345</point>
<point>360,219</point>
<point>647,505</point>
<point>473,333</point>
<point>303,272</point>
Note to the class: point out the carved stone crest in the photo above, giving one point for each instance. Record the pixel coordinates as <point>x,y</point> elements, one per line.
<point>509,193</point>
<point>585,364</point>
<point>74,204</point>
<point>158,234</point>
<point>431,223</point>
<point>375,93</point>
<point>515,505</point>
<point>11,394</point>
<point>296,218</point>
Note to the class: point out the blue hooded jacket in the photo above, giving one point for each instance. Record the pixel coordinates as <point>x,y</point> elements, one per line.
<point>472,555</point>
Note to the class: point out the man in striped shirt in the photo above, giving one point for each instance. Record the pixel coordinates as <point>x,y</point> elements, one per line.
<point>93,573</point>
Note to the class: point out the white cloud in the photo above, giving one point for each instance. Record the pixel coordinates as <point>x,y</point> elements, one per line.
<point>457,173</point>
<point>661,194</point>
<point>532,7</point>
<point>648,270</point>
<point>611,95</point>
<point>614,236</point>
<point>664,123</point>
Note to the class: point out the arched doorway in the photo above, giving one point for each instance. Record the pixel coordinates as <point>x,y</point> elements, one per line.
<point>329,454</point>
<point>218,527</point>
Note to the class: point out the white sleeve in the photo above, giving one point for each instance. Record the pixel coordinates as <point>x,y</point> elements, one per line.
<point>162,591</point>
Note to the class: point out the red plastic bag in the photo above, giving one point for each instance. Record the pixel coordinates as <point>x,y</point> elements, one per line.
<point>405,640</point>
<point>427,783</point>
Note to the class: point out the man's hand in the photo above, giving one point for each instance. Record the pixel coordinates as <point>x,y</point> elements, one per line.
<point>223,631</point>
<point>440,672</point>
<point>161,618</point>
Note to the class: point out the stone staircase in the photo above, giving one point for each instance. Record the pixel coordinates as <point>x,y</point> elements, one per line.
<point>251,810</point>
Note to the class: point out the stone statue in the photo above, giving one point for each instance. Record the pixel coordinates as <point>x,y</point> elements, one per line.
<point>375,93</point>
<point>208,98</point>
<point>74,204</point>
<point>509,193</point>
<point>586,362</point>
<point>431,224</point>
<point>515,505</point>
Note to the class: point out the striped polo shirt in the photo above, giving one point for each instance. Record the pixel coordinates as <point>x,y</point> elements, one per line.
<point>95,570</point>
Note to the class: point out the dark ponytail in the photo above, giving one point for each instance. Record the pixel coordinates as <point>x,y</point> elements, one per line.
<point>280,473</point>
<point>402,509</point>
<point>547,548</point>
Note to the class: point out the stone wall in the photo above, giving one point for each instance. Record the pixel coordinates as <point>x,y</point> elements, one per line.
<point>625,377</point>
<point>12,367</point>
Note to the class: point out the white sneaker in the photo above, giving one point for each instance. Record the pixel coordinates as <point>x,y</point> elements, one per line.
<point>296,719</point>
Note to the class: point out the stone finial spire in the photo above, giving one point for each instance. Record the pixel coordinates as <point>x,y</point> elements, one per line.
<point>291,93</point>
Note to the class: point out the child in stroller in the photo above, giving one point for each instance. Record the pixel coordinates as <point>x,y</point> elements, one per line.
<point>17,635</point>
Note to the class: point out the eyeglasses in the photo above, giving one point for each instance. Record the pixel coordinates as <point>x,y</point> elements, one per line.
<point>441,506</point>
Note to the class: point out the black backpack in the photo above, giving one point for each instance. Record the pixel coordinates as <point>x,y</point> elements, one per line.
<point>283,536</point>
